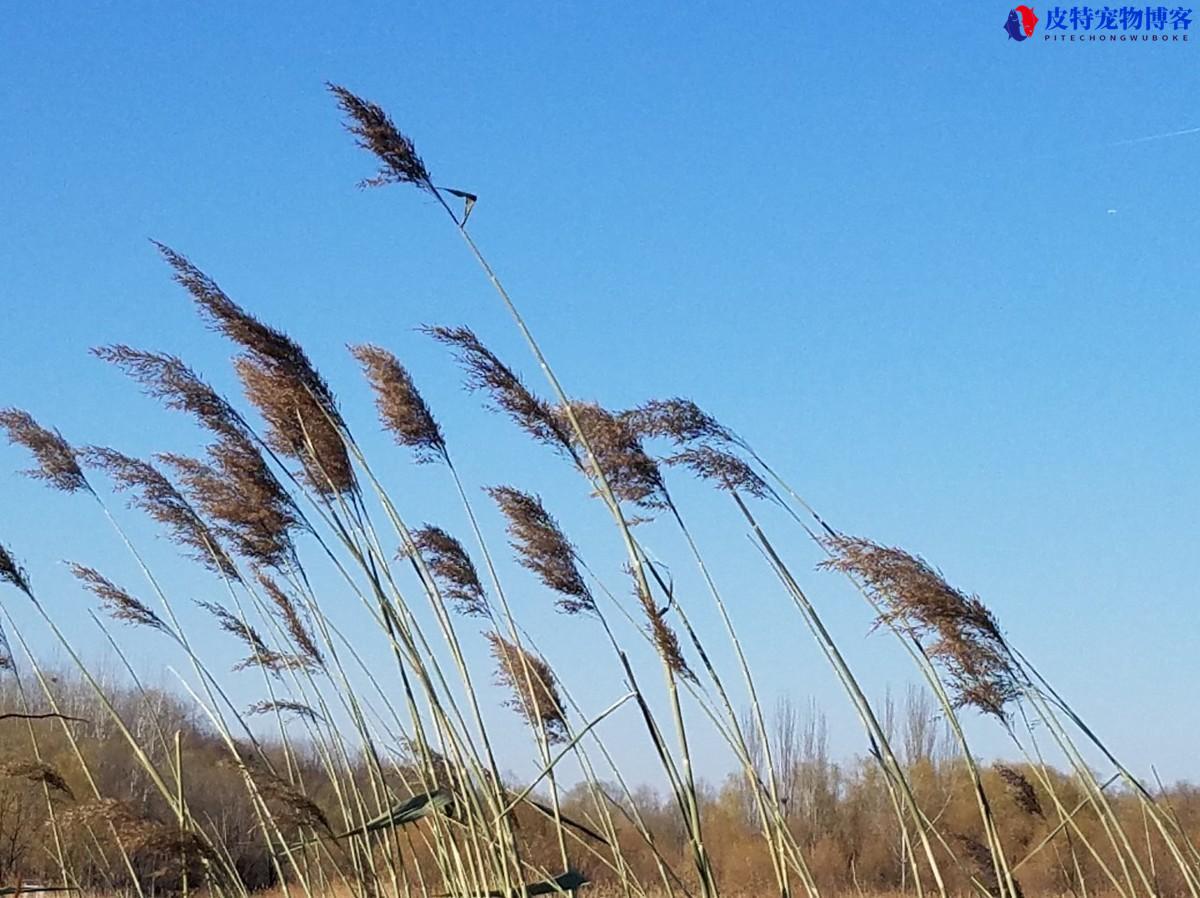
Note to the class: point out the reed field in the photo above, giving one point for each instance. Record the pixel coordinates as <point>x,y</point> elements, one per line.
<point>357,778</point>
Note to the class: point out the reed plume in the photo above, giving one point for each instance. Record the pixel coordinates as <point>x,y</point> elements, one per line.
<point>297,425</point>
<point>724,469</point>
<point>401,407</point>
<point>120,604</point>
<point>1020,789</point>
<point>954,629</point>
<point>543,548</point>
<point>37,772</point>
<point>260,653</point>
<point>677,419</point>
<point>449,562</point>
<point>631,474</point>
<point>11,572</point>
<point>374,132</point>
<point>666,641</point>
<point>56,461</point>
<point>243,497</point>
<point>485,372</point>
<point>238,489</point>
<point>293,622</point>
<point>128,824</point>
<point>980,858</point>
<point>288,707</point>
<point>533,685</point>
<point>301,412</point>
<point>263,341</point>
<point>158,497</point>
<point>140,835</point>
<point>167,378</point>
<point>288,803</point>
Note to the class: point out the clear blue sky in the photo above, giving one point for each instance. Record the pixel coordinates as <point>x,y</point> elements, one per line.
<point>878,243</point>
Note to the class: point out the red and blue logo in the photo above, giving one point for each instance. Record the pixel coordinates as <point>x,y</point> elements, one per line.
<point>1021,22</point>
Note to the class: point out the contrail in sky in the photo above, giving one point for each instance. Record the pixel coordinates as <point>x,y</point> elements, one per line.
<point>1125,143</point>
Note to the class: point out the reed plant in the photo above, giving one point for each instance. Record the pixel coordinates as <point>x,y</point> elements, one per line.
<point>376,779</point>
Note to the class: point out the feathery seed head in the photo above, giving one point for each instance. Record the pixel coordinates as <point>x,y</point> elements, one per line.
<point>239,492</point>
<point>166,377</point>
<point>120,604</point>
<point>290,804</point>
<point>677,419</point>
<point>449,562</point>
<point>37,772</point>
<point>631,474</point>
<point>375,133</point>
<point>957,630</point>
<point>723,468</point>
<point>56,461</point>
<point>282,706</point>
<point>280,380</point>
<point>261,654</point>
<point>158,497</point>
<point>1021,790</point>
<point>666,640</point>
<point>11,572</point>
<point>401,407</point>
<point>982,862</point>
<point>534,687</point>
<point>486,372</point>
<point>298,425</point>
<point>292,620</point>
<point>543,548</point>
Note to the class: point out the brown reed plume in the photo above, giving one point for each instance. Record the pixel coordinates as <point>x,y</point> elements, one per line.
<point>260,653</point>
<point>486,372</point>
<point>533,685</point>
<point>374,132</point>
<point>288,804</point>
<point>676,419</point>
<point>954,629</point>
<point>724,469</point>
<point>167,378</point>
<point>7,662</point>
<point>158,497</point>
<point>401,407</point>
<point>301,412</point>
<point>982,864</point>
<point>292,620</point>
<point>56,461</point>
<point>1020,789</point>
<point>631,474</point>
<point>238,488</point>
<point>142,836</point>
<point>543,548</point>
<point>243,497</point>
<point>128,824</point>
<point>284,706</point>
<point>449,562</point>
<point>175,851</point>
<point>11,572</point>
<point>37,772</point>
<point>297,425</point>
<point>120,604</point>
<point>260,339</point>
<point>666,641</point>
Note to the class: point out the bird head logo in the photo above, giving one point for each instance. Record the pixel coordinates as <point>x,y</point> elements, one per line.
<point>1021,22</point>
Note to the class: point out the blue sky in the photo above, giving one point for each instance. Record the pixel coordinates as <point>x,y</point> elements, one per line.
<point>878,244</point>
